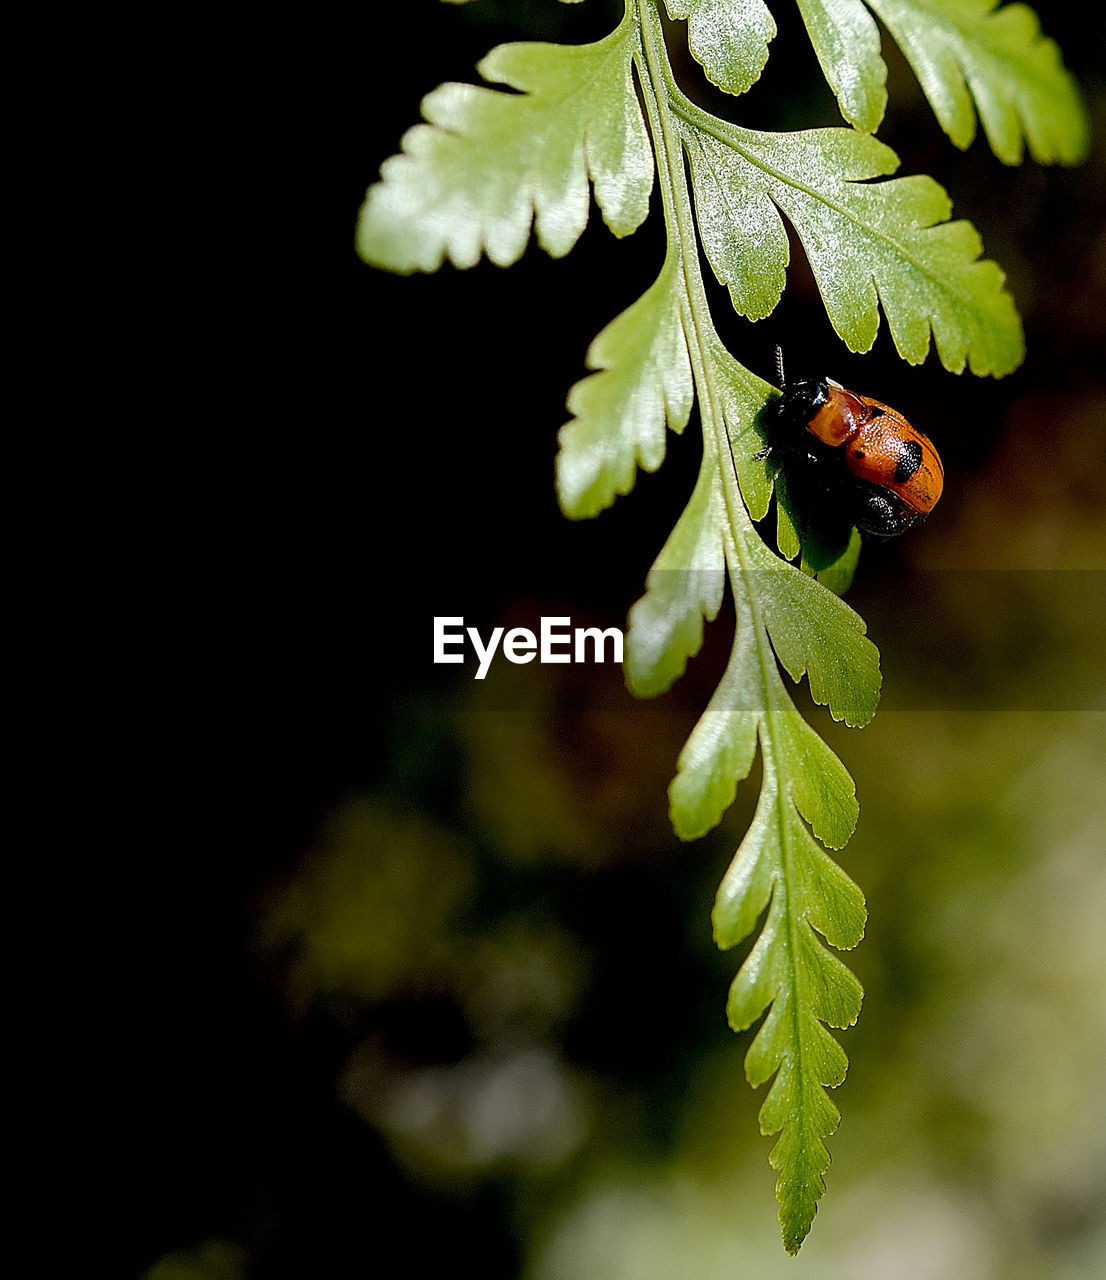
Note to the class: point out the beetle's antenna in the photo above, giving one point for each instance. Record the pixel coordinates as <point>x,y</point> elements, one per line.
<point>779,364</point>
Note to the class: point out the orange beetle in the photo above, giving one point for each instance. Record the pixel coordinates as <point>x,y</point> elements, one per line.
<point>887,473</point>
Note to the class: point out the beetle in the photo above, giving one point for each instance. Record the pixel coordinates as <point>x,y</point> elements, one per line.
<point>861,455</point>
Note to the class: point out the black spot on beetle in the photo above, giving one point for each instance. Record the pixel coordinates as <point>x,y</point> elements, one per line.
<point>881,513</point>
<point>910,459</point>
<point>875,411</point>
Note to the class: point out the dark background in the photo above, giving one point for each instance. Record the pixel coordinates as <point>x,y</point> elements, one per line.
<point>362,452</point>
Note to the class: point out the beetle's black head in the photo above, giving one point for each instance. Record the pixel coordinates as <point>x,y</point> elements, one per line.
<point>801,400</point>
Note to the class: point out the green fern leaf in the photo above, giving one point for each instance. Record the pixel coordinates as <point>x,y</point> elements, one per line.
<point>962,51</point>
<point>720,751</point>
<point>786,616</point>
<point>780,863</point>
<point>812,632</point>
<point>683,588</point>
<point>816,634</point>
<point>965,50</point>
<point>867,243</point>
<point>835,570</point>
<point>787,530</point>
<point>742,399</point>
<point>643,382</point>
<point>729,38</point>
<point>487,165</point>
<point>846,40</point>
<point>804,987</point>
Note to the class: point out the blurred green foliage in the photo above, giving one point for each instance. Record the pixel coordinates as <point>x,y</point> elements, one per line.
<point>212,1260</point>
<point>975,1142</point>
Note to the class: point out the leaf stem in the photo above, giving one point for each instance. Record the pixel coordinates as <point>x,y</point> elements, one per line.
<point>740,528</point>
<point>659,90</point>
<point>656,79</point>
